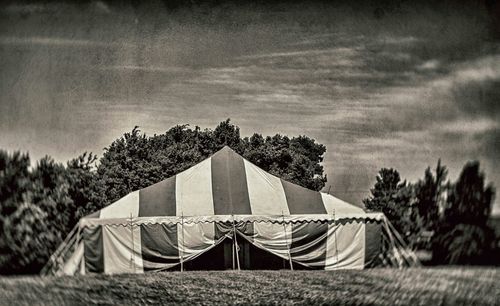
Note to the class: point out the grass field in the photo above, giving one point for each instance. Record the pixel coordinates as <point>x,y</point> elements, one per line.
<point>437,286</point>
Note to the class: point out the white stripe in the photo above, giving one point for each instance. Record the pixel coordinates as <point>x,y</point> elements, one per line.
<point>82,265</point>
<point>337,207</point>
<point>74,262</point>
<point>121,253</point>
<point>123,208</point>
<point>271,236</point>
<point>345,246</point>
<point>265,191</point>
<point>193,190</point>
<point>194,238</point>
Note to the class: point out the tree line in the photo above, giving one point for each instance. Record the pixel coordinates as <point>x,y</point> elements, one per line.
<point>40,204</point>
<point>449,219</point>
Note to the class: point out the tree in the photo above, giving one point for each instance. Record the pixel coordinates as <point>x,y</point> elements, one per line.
<point>14,180</point>
<point>469,200</point>
<point>464,236</point>
<point>50,192</point>
<point>429,196</point>
<point>42,202</point>
<point>14,186</point>
<point>296,160</point>
<point>394,198</point>
<point>135,161</point>
<point>227,134</point>
<point>28,239</point>
<point>464,244</point>
<point>86,189</point>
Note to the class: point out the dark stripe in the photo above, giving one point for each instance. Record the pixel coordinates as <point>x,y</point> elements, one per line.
<point>93,249</point>
<point>229,184</point>
<point>158,199</point>
<point>373,243</point>
<point>309,237</point>
<point>159,245</point>
<point>221,229</point>
<point>248,230</point>
<point>302,200</point>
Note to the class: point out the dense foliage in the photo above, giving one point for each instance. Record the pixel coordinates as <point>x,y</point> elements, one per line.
<point>40,205</point>
<point>453,215</point>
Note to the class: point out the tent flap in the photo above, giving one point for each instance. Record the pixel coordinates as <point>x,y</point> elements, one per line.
<point>149,247</point>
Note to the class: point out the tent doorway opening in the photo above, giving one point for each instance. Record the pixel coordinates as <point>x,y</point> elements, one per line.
<point>223,257</point>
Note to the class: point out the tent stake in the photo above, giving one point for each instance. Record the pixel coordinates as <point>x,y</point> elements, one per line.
<point>286,241</point>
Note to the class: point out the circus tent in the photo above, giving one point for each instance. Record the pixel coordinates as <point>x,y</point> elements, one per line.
<point>226,200</point>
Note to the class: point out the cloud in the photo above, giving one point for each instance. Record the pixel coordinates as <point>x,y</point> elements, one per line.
<point>479,98</point>
<point>429,65</point>
<point>469,126</point>
<point>53,41</point>
<point>134,68</point>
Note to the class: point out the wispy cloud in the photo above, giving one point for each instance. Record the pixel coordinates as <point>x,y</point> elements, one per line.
<point>58,42</point>
<point>145,68</point>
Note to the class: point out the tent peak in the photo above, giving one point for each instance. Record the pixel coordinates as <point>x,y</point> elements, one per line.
<point>226,149</point>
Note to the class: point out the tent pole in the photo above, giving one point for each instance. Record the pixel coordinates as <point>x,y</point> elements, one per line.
<point>182,250</point>
<point>286,241</point>
<point>132,259</point>
<point>335,233</point>
<point>235,242</point>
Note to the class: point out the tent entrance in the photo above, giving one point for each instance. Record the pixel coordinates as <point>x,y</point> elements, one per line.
<point>251,258</point>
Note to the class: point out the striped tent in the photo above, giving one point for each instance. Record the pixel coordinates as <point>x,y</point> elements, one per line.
<point>225,197</point>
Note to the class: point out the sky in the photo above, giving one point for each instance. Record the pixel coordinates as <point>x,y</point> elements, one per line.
<point>393,87</point>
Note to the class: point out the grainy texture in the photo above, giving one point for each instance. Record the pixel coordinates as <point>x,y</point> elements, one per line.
<point>437,286</point>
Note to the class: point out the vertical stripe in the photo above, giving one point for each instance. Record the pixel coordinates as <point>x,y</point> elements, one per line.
<point>159,246</point>
<point>309,244</point>
<point>222,229</point>
<point>122,249</point>
<point>346,246</point>
<point>265,191</point>
<point>82,266</point>
<point>229,184</point>
<point>273,237</point>
<point>194,238</point>
<point>302,200</point>
<point>93,249</point>
<point>194,191</point>
<point>74,262</point>
<point>123,208</point>
<point>373,242</point>
<point>335,206</point>
<point>247,229</point>
<point>158,199</point>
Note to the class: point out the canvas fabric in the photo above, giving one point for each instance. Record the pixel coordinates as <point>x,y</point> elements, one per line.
<point>184,216</point>
<point>144,246</point>
<point>225,184</point>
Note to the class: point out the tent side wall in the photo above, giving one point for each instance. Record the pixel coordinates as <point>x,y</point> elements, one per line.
<point>142,247</point>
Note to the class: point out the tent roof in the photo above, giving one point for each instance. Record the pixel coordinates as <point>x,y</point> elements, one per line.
<point>225,184</point>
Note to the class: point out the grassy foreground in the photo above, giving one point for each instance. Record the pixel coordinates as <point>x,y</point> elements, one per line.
<point>437,286</point>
